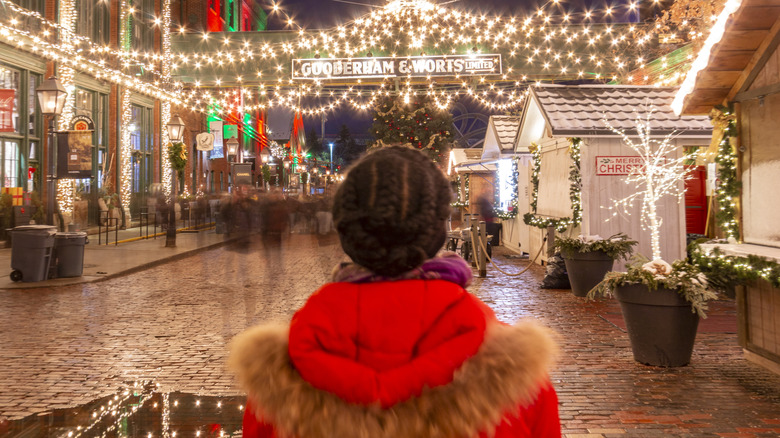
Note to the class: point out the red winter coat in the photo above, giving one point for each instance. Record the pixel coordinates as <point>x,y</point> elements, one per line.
<point>412,358</point>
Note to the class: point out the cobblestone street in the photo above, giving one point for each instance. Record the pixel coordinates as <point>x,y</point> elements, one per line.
<point>68,346</point>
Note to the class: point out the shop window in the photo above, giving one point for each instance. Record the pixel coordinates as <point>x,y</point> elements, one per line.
<point>9,100</point>
<point>142,25</point>
<point>33,5</point>
<point>93,20</point>
<point>11,164</point>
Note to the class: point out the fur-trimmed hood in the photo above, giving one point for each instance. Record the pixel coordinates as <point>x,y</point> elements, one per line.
<point>506,372</point>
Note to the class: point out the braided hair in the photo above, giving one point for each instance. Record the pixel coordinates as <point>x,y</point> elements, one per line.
<point>391,210</point>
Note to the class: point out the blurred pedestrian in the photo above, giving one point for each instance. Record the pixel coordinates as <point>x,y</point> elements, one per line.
<point>274,212</point>
<point>394,346</point>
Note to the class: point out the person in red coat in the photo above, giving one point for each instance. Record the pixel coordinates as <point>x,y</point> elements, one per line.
<point>394,346</point>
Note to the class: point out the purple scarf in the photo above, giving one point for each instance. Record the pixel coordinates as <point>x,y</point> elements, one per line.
<point>446,266</point>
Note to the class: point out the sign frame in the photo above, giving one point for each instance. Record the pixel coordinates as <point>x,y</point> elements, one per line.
<point>399,66</point>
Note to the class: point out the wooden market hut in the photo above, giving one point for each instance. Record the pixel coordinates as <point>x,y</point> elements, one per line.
<point>739,67</point>
<point>553,115</point>
<point>470,178</point>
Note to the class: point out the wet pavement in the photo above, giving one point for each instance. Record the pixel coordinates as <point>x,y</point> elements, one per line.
<point>66,352</point>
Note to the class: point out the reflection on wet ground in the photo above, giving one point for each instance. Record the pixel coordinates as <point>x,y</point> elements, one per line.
<point>137,410</point>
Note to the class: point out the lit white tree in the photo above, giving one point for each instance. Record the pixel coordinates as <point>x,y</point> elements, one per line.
<point>661,174</point>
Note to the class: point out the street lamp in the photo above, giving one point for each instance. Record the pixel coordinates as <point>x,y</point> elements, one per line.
<point>175,134</point>
<point>331,157</point>
<point>51,98</point>
<point>176,129</point>
<point>232,147</point>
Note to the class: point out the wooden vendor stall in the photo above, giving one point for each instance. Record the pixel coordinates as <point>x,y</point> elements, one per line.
<point>738,71</point>
<point>579,165</point>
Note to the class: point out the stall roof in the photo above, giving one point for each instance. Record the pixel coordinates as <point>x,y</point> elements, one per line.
<point>579,111</point>
<point>500,135</point>
<point>738,47</point>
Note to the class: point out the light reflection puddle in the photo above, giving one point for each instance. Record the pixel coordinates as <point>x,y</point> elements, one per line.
<point>140,410</point>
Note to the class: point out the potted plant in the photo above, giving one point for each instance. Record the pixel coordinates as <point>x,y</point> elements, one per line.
<point>661,302</point>
<point>661,305</point>
<point>589,258</point>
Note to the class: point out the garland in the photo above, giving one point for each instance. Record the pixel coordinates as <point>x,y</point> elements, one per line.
<point>511,212</point>
<point>177,155</point>
<point>723,269</point>
<point>462,202</point>
<point>729,188</point>
<point>575,190</point>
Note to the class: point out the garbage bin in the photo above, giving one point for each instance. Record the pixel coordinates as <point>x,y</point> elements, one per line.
<point>31,252</point>
<point>69,253</point>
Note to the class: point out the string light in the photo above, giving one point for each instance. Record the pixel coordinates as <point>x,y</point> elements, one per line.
<point>165,107</point>
<point>729,187</point>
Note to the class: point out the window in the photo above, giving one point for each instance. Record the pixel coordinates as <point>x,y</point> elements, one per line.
<point>9,100</point>
<point>93,20</point>
<point>142,25</point>
<point>33,5</point>
<point>11,164</point>
<point>19,125</point>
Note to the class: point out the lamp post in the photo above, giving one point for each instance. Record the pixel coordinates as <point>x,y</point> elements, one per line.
<point>175,134</point>
<point>51,98</point>
<point>331,157</point>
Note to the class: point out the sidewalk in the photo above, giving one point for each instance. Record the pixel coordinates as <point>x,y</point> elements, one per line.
<point>131,253</point>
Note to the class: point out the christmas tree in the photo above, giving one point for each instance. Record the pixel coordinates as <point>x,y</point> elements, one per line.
<point>413,121</point>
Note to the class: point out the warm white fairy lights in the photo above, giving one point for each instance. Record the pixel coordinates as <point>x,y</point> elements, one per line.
<point>661,175</point>
<point>125,152</point>
<point>703,58</point>
<point>550,44</point>
<point>66,75</point>
<point>167,180</point>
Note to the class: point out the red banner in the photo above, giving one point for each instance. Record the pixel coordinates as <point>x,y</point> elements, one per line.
<point>7,98</point>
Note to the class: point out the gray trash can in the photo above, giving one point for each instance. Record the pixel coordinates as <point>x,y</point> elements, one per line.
<point>31,252</point>
<point>69,253</point>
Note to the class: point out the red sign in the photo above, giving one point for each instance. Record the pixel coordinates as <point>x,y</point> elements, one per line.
<point>7,101</point>
<point>611,165</point>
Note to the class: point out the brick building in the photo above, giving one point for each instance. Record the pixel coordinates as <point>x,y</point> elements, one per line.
<point>126,90</point>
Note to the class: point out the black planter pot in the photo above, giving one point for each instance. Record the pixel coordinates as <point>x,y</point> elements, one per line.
<point>660,323</point>
<point>586,270</point>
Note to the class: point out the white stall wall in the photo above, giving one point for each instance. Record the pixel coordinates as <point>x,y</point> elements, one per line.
<point>599,192</point>
<point>516,232</point>
<point>554,186</point>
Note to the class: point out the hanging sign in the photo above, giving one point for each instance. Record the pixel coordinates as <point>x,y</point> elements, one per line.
<point>394,67</point>
<point>242,174</point>
<point>611,165</point>
<point>7,101</point>
<point>215,128</point>
<point>82,123</point>
<point>231,131</point>
<point>205,141</point>
<point>74,154</point>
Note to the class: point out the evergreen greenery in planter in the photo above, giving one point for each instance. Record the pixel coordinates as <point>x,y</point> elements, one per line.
<point>616,247</point>
<point>589,258</point>
<point>681,276</point>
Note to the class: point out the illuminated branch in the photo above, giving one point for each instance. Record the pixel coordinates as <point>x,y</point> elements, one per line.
<point>660,175</point>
